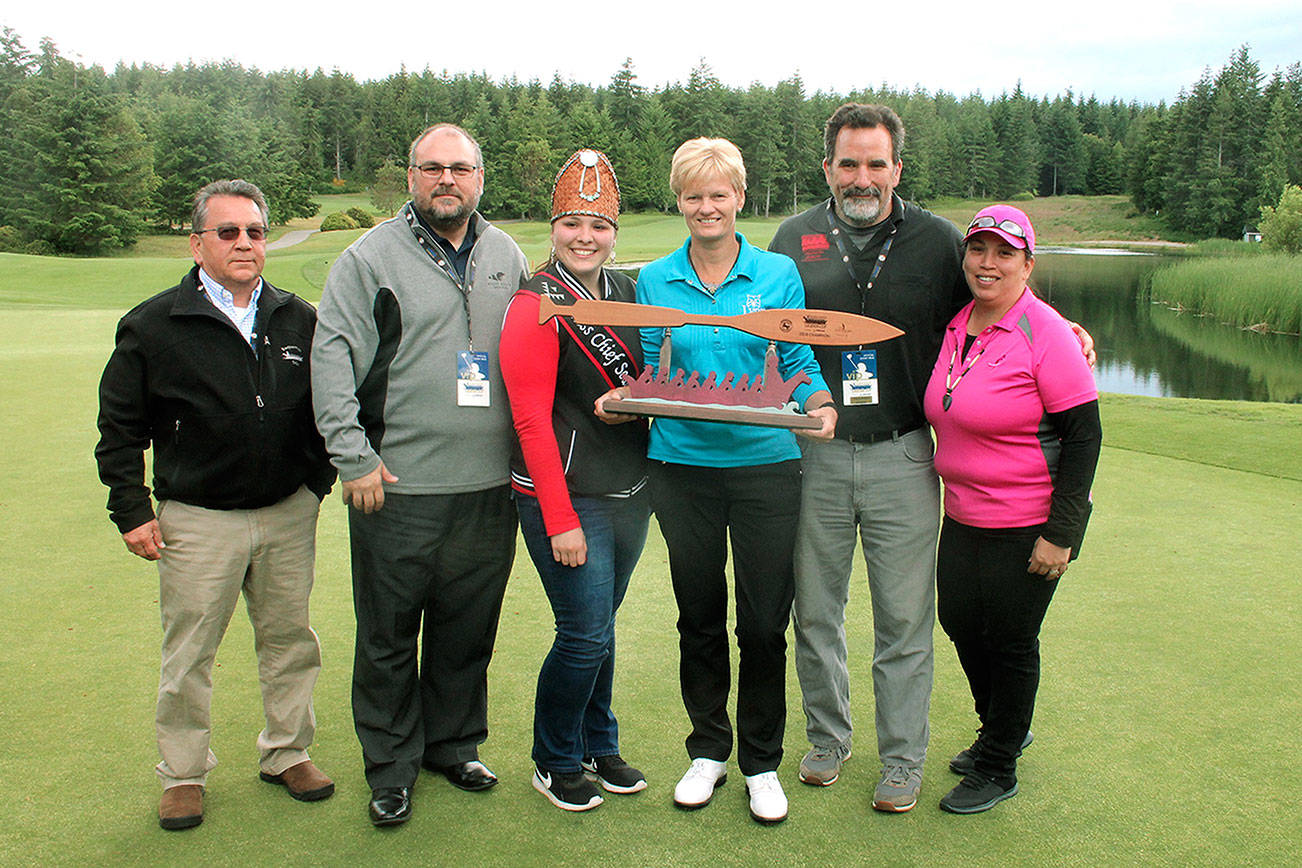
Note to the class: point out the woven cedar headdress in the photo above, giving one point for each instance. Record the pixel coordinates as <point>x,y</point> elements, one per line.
<point>586,184</point>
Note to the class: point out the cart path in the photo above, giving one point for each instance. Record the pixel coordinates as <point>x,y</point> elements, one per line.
<point>290,238</point>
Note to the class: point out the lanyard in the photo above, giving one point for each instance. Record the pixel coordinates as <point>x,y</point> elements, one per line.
<point>967,366</point>
<point>863,288</point>
<point>435,252</point>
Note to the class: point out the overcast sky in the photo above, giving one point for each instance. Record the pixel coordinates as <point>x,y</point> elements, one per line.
<point>1146,50</point>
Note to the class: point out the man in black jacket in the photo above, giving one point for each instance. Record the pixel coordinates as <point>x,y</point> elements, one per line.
<point>213,374</point>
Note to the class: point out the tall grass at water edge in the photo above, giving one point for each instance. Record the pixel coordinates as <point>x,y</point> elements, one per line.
<point>1260,291</point>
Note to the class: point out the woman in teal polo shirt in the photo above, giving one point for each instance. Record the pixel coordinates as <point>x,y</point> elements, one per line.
<point>712,481</point>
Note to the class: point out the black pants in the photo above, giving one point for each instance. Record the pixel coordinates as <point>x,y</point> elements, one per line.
<point>992,609</point>
<point>435,567</point>
<point>698,509</point>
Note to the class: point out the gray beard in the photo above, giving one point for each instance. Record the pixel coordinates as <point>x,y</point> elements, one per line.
<point>860,211</point>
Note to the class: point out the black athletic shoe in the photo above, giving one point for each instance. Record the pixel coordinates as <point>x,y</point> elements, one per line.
<point>976,793</point>
<point>569,791</point>
<point>614,774</point>
<point>964,762</point>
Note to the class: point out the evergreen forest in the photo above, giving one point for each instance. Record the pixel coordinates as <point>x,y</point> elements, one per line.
<point>90,160</point>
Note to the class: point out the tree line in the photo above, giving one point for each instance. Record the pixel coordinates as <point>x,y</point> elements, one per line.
<point>90,159</point>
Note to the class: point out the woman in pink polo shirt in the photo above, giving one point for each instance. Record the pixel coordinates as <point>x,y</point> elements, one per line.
<point>1015,411</point>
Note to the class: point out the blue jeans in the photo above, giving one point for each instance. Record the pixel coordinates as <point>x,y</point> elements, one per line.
<point>572,717</point>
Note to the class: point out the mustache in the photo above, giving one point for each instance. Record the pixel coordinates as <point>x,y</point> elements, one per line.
<point>873,190</point>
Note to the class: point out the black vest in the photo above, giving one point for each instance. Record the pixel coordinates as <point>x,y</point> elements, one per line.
<point>598,458</point>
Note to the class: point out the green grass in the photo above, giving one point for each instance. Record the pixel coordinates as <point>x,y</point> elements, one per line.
<point>1071,219</point>
<point>1165,723</point>
<point>1262,291</point>
<point>1224,247</point>
<point>342,202</point>
<point>646,236</point>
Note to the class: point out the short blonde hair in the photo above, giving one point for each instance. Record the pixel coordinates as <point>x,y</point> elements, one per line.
<point>697,160</point>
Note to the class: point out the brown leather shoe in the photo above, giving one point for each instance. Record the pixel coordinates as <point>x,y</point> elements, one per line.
<point>305,782</point>
<point>181,807</point>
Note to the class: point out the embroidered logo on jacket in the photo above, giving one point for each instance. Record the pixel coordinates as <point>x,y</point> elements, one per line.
<point>292,354</point>
<point>813,248</point>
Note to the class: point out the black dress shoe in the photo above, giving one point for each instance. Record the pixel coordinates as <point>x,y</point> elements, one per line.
<point>472,775</point>
<point>390,806</point>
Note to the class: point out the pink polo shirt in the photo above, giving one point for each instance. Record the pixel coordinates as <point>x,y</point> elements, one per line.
<point>995,449</point>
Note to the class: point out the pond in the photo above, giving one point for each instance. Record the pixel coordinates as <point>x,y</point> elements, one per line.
<point>1147,349</point>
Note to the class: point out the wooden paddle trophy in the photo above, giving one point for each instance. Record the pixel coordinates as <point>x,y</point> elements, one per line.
<point>761,401</point>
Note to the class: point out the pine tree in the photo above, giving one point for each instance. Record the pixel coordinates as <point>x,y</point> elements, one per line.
<point>1274,157</point>
<point>758,132</point>
<point>1019,144</point>
<point>626,95</point>
<point>389,190</point>
<point>81,172</point>
<point>1064,160</point>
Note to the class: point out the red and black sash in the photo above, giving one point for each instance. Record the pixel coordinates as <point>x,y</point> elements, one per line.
<point>601,345</point>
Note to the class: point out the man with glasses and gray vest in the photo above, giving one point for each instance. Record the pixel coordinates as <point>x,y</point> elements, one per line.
<point>409,397</point>
<point>213,375</point>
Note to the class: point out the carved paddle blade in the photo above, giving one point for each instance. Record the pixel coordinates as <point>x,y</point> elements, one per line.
<point>823,327</point>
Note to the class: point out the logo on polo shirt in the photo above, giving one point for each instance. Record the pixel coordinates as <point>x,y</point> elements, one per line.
<point>814,248</point>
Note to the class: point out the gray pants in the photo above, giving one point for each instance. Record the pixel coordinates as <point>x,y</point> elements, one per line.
<point>890,492</point>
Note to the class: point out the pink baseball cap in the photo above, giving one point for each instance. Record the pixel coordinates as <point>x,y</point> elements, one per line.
<point>1009,223</point>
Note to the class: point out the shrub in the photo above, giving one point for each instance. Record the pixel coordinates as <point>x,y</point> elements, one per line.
<point>11,240</point>
<point>39,247</point>
<point>339,185</point>
<point>1281,226</point>
<point>1024,196</point>
<point>361,217</point>
<point>337,220</point>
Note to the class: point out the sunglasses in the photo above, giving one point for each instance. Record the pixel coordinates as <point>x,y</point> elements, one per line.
<point>230,233</point>
<point>1011,227</point>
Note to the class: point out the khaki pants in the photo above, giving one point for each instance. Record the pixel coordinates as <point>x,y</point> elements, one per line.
<point>211,556</point>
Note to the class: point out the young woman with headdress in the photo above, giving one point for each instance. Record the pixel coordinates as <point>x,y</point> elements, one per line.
<point>579,484</point>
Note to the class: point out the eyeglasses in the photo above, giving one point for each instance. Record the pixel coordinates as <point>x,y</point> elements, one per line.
<point>1011,227</point>
<point>434,171</point>
<point>230,233</point>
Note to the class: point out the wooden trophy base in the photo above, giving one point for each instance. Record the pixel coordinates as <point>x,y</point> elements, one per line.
<point>770,418</point>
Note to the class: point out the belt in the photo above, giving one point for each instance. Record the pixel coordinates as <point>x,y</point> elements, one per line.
<point>878,437</point>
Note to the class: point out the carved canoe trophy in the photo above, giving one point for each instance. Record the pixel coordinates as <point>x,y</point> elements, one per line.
<point>759,400</point>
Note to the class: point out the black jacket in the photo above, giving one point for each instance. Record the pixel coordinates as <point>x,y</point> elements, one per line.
<point>230,429</point>
<point>919,289</point>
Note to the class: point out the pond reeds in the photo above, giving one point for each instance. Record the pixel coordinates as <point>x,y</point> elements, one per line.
<point>1262,292</point>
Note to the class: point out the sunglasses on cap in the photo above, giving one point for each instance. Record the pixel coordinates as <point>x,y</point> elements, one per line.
<point>1012,227</point>
<point>230,233</point>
